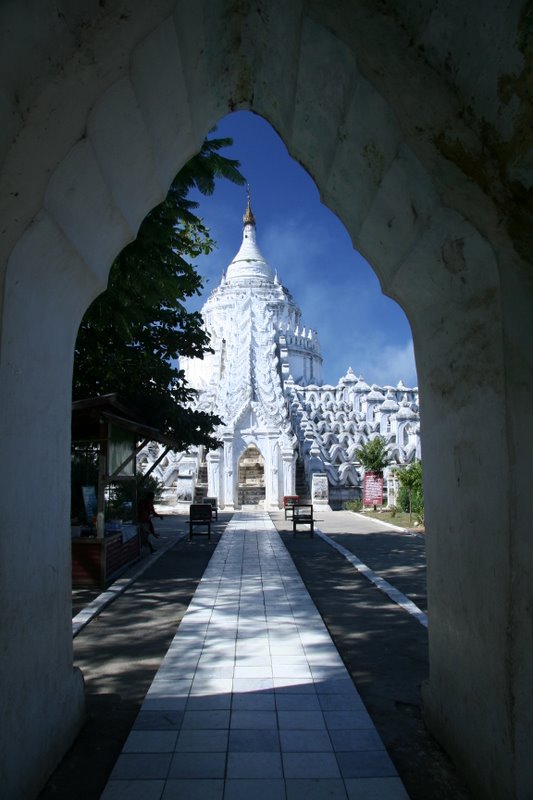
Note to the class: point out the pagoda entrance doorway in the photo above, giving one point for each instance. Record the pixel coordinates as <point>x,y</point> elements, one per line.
<point>251,478</point>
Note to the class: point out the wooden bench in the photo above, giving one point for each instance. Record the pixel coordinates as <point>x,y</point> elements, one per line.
<point>200,514</point>
<point>212,501</point>
<point>289,501</point>
<point>303,515</point>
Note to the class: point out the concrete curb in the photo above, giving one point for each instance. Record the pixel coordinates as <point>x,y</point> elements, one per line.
<point>388,524</point>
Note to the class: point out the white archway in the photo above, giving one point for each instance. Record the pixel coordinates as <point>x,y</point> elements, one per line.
<point>251,476</point>
<point>99,118</point>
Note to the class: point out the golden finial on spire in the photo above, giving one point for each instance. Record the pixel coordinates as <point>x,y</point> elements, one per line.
<point>248,218</point>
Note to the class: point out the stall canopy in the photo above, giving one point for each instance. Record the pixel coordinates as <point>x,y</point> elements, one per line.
<point>118,429</point>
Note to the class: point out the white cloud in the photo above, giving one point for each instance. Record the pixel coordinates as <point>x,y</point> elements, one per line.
<point>294,249</point>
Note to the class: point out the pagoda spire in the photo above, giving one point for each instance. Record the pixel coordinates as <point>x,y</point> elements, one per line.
<point>248,218</point>
<point>249,263</point>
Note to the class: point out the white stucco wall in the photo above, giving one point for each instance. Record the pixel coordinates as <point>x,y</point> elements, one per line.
<point>417,144</point>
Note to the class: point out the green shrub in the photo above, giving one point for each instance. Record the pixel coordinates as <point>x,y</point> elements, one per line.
<point>353,505</point>
<point>121,496</point>
<point>417,500</point>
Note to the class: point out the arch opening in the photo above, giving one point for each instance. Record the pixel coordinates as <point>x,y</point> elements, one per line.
<point>251,478</point>
<point>424,216</point>
<point>309,255</point>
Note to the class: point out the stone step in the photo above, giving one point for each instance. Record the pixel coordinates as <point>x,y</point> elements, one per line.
<point>200,492</point>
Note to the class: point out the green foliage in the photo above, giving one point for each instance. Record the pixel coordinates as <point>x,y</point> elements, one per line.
<point>413,498</point>
<point>353,505</point>
<point>373,455</point>
<point>122,495</point>
<point>132,334</point>
<point>410,494</point>
<point>411,475</point>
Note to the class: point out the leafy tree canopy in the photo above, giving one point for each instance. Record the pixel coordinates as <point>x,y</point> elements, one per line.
<point>373,455</point>
<point>132,334</point>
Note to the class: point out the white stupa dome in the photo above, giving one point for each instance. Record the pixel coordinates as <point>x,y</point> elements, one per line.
<point>249,261</point>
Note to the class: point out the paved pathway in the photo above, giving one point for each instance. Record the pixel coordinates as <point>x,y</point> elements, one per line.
<point>252,699</point>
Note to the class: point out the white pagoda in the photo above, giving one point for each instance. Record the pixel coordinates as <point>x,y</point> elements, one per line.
<point>264,380</point>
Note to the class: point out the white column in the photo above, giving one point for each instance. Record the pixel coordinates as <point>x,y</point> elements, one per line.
<point>288,465</point>
<point>213,475</point>
<point>229,477</point>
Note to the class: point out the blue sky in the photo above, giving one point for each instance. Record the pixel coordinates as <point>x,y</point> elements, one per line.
<point>336,289</point>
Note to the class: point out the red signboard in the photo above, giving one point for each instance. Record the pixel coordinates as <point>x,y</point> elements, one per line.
<point>373,489</point>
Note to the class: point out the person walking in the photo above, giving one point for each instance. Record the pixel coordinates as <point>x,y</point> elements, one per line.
<point>146,512</point>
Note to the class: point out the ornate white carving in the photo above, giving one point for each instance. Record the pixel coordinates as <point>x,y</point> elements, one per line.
<point>264,381</point>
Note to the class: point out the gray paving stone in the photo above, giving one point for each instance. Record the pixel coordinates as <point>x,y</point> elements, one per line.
<point>315,789</point>
<point>254,701</point>
<point>296,660</point>
<point>198,765</point>
<point>253,671</point>
<point>310,765</point>
<point>254,720</point>
<point>133,790</point>
<point>253,684</point>
<point>301,720</point>
<point>206,720</point>
<point>178,789</point>
<point>254,765</point>
<point>209,702</point>
<point>305,741</point>
<point>254,741</point>
<point>293,686</point>
<point>375,789</point>
<point>204,684</point>
<point>202,741</point>
<point>263,789</point>
<point>253,690</point>
<point>301,671</point>
<point>297,702</point>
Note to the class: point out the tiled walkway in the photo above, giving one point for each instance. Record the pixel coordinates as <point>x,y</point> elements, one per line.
<point>252,700</point>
